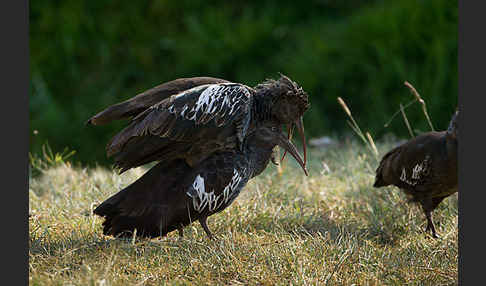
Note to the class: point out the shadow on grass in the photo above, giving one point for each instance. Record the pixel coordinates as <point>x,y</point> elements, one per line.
<point>66,246</point>
<point>320,225</point>
<point>92,244</point>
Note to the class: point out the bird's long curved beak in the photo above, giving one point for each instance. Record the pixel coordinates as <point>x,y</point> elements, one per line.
<point>288,146</point>
<point>290,131</point>
<point>299,123</point>
<point>300,128</point>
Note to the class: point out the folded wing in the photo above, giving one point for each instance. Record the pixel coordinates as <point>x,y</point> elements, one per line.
<point>175,126</point>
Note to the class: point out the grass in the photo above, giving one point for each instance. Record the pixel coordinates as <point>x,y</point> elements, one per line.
<point>331,228</point>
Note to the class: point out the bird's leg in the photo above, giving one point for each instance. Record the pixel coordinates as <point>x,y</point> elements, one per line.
<point>436,201</point>
<point>203,222</point>
<point>427,207</point>
<point>181,231</point>
<point>430,224</point>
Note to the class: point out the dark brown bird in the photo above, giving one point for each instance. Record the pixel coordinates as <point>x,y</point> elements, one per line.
<point>204,134</point>
<point>173,194</point>
<point>425,168</point>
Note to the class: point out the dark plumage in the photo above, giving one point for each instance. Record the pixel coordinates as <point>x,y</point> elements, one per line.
<point>220,131</point>
<point>425,168</point>
<point>173,194</point>
<point>196,122</point>
<point>144,100</point>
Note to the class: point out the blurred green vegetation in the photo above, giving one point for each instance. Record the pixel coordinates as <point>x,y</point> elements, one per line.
<point>87,55</point>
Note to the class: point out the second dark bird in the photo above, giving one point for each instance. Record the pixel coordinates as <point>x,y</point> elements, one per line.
<point>425,168</point>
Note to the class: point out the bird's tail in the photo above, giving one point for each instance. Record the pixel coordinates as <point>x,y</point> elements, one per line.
<point>143,205</point>
<point>116,222</point>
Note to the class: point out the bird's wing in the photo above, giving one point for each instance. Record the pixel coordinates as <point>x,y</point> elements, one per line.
<point>189,115</point>
<point>409,165</point>
<point>217,182</point>
<point>146,99</point>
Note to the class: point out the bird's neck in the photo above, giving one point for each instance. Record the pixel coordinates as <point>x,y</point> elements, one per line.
<point>259,158</point>
<point>262,106</point>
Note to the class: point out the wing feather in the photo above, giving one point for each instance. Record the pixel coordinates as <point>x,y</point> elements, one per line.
<point>148,98</point>
<point>217,182</point>
<point>189,115</point>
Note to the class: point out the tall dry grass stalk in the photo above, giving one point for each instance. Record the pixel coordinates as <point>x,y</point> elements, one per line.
<point>406,121</point>
<point>422,102</point>
<point>402,109</point>
<point>398,111</point>
<point>368,140</point>
<point>372,143</point>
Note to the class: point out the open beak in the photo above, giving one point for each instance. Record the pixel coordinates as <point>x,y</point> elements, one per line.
<point>288,146</point>
<point>300,127</point>
<point>290,131</point>
<point>299,123</point>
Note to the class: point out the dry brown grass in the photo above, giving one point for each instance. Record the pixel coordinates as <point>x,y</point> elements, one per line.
<point>331,228</point>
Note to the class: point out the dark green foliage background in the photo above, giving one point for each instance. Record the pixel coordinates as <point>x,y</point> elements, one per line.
<point>86,55</point>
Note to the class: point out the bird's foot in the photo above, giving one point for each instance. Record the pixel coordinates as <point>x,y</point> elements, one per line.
<point>203,222</point>
<point>433,234</point>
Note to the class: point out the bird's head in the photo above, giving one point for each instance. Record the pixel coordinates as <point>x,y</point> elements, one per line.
<point>270,135</point>
<point>289,100</point>
<point>288,103</point>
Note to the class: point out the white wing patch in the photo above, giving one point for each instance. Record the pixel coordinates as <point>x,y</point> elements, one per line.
<point>216,100</point>
<point>419,171</point>
<point>202,199</point>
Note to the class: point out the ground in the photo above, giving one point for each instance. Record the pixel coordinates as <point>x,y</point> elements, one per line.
<point>331,228</point>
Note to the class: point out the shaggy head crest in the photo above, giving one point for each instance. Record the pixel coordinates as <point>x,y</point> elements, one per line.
<point>288,100</point>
